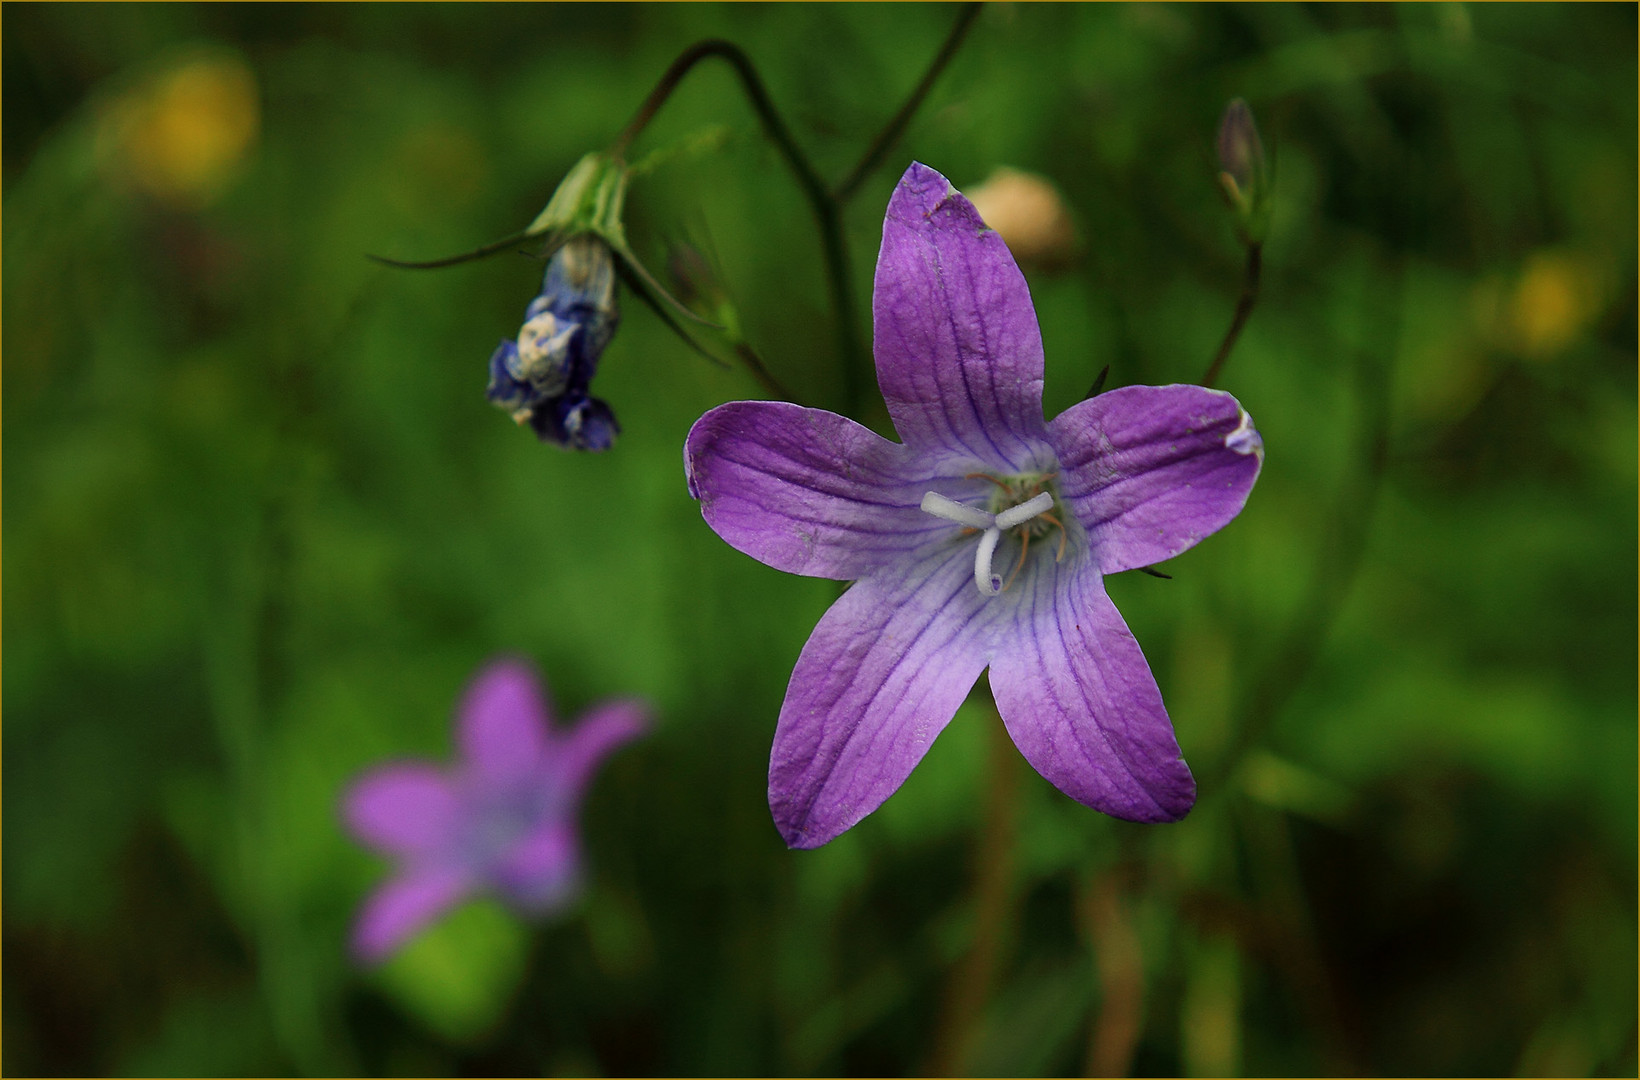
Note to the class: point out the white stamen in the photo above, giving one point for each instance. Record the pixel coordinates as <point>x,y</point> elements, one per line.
<point>951,510</point>
<point>1025,511</point>
<point>988,582</point>
<point>991,526</point>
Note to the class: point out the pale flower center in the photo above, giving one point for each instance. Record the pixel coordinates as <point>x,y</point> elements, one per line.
<point>542,343</point>
<point>990,526</point>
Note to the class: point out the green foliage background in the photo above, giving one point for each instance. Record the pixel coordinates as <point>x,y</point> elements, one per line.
<point>261,526</point>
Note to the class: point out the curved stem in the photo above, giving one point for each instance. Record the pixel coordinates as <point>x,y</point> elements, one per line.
<point>1244,308</point>
<point>451,260</point>
<point>896,126</point>
<point>826,210</point>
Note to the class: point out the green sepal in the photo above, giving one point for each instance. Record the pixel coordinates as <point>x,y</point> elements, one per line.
<point>589,199</point>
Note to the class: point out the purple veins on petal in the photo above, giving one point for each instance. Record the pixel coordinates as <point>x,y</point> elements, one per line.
<point>980,540</point>
<point>805,490</point>
<point>880,677</point>
<point>1151,470</point>
<point>1078,699</point>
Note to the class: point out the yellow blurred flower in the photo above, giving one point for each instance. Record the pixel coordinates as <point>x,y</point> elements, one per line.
<point>181,137</point>
<point>1028,213</point>
<point>1556,297</point>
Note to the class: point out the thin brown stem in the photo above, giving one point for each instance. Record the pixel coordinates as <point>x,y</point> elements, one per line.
<point>754,364</point>
<point>1244,308</point>
<point>773,126</point>
<point>892,131</point>
<point>827,211</point>
<point>452,260</point>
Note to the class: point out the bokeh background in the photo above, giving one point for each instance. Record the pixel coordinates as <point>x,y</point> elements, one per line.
<point>261,526</point>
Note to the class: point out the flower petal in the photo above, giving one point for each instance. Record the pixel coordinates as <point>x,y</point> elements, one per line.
<point>804,490</point>
<point>542,873</point>
<point>880,677</point>
<point>402,906</point>
<point>405,809</point>
<point>576,756</point>
<point>1151,470</point>
<point>959,354</point>
<point>1079,701</point>
<point>502,723</point>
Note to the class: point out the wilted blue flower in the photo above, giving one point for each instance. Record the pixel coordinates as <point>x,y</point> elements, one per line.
<point>501,820</point>
<point>980,541</point>
<point>543,377</point>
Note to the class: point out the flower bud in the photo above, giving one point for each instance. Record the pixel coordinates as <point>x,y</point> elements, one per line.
<point>1243,175</point>
<point>1027,212</point>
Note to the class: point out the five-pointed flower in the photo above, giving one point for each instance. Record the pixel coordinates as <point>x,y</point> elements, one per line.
<point>980,540</point>
<point>503,819</point>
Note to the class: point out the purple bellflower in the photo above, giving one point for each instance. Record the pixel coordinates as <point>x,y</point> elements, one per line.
<point>981,540</point>
<point>501,820</point>
<point>542,378</point>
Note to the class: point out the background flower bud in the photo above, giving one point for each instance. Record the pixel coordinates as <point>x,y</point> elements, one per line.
<point>1242,171</point>
<point>1027,211</point>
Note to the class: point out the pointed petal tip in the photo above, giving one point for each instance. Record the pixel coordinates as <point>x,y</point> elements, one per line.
<point>923,193</point>
<point>402,907</point>
<point>804,834</point>
<point>1172,806</point>
<point>504,719</point>
<point>506,670</point>
<point>1169,794</point>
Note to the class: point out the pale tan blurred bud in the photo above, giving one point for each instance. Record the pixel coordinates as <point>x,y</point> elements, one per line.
<point>1028,213</point>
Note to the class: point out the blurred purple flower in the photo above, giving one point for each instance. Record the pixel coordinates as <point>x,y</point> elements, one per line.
<point>981,540</point>
<point>503,819</point>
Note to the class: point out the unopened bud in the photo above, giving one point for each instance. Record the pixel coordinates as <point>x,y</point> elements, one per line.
<point>1243,175</point>
<point>1027,212</point>
<point>692,277</point>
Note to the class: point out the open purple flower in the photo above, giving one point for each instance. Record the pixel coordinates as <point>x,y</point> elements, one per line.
<point>980,541</point>
<point>501,820</point>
